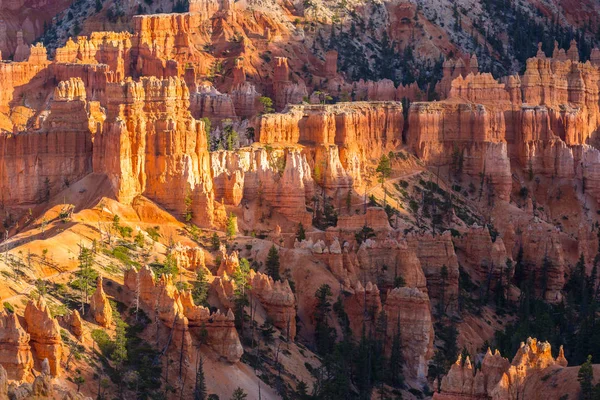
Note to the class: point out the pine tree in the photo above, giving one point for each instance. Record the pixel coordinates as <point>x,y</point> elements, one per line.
<point>300,233</point>
<point>215,241</point>
<point>200,386</point>
<point>188,213</point>
<point>576,284</point>
<point>442,300</point>
<point>324,334</point>
<point>384,169</point>
<point>239,394</point>
<point>585,376</point>
<point>546,265</point>
<point>519,268</point>
<point>200,288</point>
<point>302,390</point>
<point>86,274</point>
<point>272,263</point>
<point>396,359</point>
<point>119,354</point>
<point>231,227</point>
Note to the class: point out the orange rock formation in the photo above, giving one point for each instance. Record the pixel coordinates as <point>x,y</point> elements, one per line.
<point>100,306</point>
<point>497,378</point>
<point>45,334</point>
<point>178,311</point>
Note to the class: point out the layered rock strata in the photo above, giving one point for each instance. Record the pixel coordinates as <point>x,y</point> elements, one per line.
<point>178,311</point>
<point>100,306</point>
<point>151,145</point>
<point>498,378</point>
<point>45,334</point>
<point>15,353</point>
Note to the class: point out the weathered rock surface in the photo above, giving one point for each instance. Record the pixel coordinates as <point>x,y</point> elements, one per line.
<point>280,177</point>
<point>37,164</point>
<point>278,300</point>
<point>151,145</point>
<point>190,258</point>
<point>410,308</point>
<point>497,378</point>
<point>363,307</point>
<point>100,306</point>
<point>178,311</point>
<point>434,253</point>
<point>45,334</point>
<point>15,353</point>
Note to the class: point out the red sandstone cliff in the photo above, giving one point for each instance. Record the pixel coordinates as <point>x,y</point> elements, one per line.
<point>151,145</point>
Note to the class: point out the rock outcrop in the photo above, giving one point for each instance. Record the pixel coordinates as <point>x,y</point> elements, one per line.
<point>543,119</point>
<point>100,306</point>
<point>280,177</point>
<point>151,145</point>
<point>15,353</point>
<point>276,297</point>
<point>286,91</point>
<point>178,311</point>
<point>363,307</point>
<point>498,378</point>
<point>37,164</point>
<point>44,332</point>
<point>434,253</point>
<point>278,300</point>
<point>343,138</point>
<point>410,308</point>
<point>190,258</point>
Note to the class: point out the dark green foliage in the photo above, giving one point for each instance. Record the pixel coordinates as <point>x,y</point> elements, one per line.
<point>396,362</point>
<point>576,285</point>
<point>181,6</point>
<point>585,376</point>
<point>215,241</point>
<point>241,300</point>
<point>364,234</point>
<point>272,263</point>
<point>154,233</point>
<point>326,216</point>
<point>188,214</point>
<point>441,309</point>
<point>300,233</point>
<point>519,276</point>
<point>445,355</point>
<point>239,394</point>
<point>168,267</point>
<point>399,282</point>
<point>200,288</point>
<point>9,307</point>
<point>324,334</point>
<point>351,369</point>
<point>267,331</point>
<point>340,312</point>
<point>523,31</point>
<point>267,104</point>
<point>572,323</point>
<point>231,136</point>
<point>200,384</point>
<point>231,227</point>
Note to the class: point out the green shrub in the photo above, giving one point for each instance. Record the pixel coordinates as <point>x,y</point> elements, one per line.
<point>9,307</point>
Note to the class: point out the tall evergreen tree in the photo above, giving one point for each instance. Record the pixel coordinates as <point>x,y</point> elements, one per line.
<point>200,385</point>
<point>585,376</point>
<point>324,334</point>
<point>300,233</point>
<point>272,263</point>
<point>396,378</point>
<point>239,394</point>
